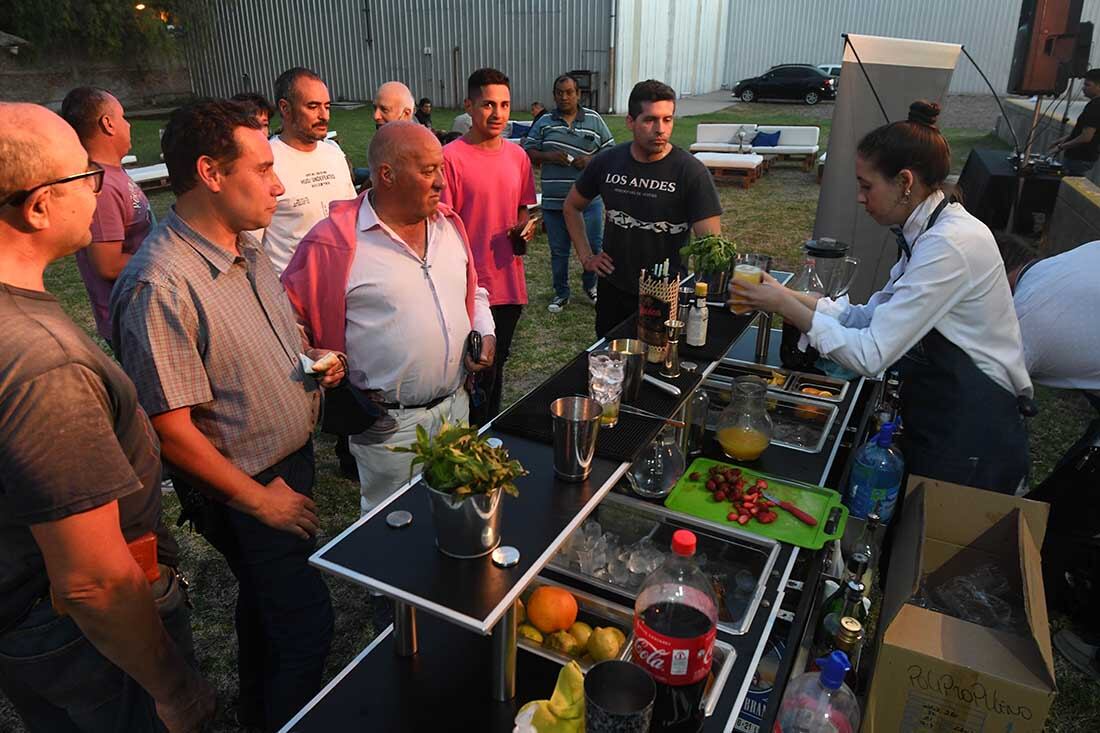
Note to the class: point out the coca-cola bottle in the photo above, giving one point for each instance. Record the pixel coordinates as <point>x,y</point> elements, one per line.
<point>675,622</point>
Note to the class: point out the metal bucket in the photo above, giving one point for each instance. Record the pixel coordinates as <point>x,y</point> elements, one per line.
<point>576,422</point>
<point>633,351</point>
<point>467,527</point>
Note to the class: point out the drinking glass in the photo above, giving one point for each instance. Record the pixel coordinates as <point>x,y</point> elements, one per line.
<point>606,373</point>
<point>749,268</point>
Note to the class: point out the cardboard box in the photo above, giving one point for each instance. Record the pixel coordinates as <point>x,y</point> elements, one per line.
<point>937,672</point>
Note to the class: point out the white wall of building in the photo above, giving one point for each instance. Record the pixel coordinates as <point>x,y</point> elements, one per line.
<point>762,33</point>
<point>680,42</point>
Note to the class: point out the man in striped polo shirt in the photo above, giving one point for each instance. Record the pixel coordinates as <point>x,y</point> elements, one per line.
<point>562,141</point>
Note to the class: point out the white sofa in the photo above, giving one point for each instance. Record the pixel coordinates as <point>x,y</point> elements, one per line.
<point>792,140</point>
<point>722,138</point>
<point>797,141</point>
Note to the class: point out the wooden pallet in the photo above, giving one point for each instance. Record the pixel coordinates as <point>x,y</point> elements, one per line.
<point>743,177</point>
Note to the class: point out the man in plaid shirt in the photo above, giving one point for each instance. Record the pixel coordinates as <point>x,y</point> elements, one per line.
<point>205,331</point>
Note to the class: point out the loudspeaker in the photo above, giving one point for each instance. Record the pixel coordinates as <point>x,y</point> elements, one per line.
<point>1081,51</point>
<point>1045,43</point>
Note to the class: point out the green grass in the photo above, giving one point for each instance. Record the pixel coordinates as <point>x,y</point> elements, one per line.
<point>774,216</point>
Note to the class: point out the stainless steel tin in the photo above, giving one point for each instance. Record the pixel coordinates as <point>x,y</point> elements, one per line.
<point>467,527</point>
<point>634,352</point>
<point>576,423</point>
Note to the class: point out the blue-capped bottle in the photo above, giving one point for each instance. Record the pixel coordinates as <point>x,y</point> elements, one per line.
<point>820,702</point>
<point>876,476</point>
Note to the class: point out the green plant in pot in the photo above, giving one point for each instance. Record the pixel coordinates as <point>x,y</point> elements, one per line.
<point>713,257</point>
<point>465,475</point>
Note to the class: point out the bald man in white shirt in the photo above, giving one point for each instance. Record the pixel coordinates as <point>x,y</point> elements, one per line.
<point>390,277</point>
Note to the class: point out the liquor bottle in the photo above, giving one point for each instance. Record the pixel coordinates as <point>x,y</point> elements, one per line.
<point>888,409</point>
<point>855,570</point>
<point>829,625</point>
<point>867,545</point>
<point>849,639</point>
<point>697,318</point>
<point>695,415</point>
<point>675,624</point>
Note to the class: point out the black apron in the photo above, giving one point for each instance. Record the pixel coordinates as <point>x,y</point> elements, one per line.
<point>958,424</point>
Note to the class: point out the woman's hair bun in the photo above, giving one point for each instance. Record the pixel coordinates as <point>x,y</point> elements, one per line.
<point>924,112</point>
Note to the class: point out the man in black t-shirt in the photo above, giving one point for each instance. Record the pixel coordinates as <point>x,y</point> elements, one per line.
<point>655,196</point>
<point>1081,148</point>
<point>82,646</point>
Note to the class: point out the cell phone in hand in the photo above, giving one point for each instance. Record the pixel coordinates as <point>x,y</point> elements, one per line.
<point>529,227</point>
<point>473,346</point>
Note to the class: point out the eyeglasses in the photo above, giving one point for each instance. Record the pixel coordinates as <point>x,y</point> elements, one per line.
<point>94,172</point>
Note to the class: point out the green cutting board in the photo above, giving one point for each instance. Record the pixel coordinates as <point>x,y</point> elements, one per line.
<point>692,497</point>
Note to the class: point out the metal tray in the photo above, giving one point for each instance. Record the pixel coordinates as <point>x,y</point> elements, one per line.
<point>730,369</point>
<point>798,380</point>
<point>597,608</point>
<point>737,561</point>
<point>593,611</point>
<point>801,423</point>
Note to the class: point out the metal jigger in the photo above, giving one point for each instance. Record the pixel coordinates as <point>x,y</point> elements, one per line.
<point>671,367</point>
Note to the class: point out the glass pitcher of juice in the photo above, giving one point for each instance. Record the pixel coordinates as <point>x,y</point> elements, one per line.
<point>744,428</point>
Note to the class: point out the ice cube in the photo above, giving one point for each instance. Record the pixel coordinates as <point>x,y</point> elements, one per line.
<point>636,563</point>
<point>600,573</point>
<point>592,529</point>
<point>744,583</point>
<point>587,562</point>
<point>618,572</point>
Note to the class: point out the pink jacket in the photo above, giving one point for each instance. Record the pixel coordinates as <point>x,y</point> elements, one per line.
<point>316,278</point>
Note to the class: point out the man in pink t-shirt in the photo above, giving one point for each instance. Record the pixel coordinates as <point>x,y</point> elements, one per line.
<point>490,183</point>
<point>122,214</point>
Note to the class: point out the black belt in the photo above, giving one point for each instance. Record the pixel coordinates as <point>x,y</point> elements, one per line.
<point>426,406</point>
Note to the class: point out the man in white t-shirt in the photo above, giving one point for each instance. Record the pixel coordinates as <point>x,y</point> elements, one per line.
<point>1057,301</point>
<point>314,170</point>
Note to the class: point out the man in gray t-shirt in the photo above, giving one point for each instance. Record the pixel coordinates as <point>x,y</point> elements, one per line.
<point>79,469</point>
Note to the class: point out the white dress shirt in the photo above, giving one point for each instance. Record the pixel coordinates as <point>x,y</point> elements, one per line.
<point>406,323</point>
<point>1058,304</point>
<point>954,283</point>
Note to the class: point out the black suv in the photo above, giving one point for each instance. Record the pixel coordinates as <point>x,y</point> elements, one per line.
<point>788,81</point>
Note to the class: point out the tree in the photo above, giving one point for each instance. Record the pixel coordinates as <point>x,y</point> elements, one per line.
<point>115,30</point>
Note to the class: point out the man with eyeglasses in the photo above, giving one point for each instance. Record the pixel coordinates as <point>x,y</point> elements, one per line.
<point>89,640</point>
<point>562,142</point>
<point>122,215</point>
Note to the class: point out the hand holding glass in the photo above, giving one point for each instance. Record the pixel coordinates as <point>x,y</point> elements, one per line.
<point>750,268</point>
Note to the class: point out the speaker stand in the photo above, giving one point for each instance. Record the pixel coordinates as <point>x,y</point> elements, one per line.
<point>1024,163</point>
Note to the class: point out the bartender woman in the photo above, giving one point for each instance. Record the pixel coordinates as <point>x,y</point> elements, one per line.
<point>945,318</point>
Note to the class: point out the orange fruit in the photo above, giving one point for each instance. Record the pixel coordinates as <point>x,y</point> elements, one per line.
<point>551,609</point>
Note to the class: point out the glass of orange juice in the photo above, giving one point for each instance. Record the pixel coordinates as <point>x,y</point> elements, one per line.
<point>750,268</point>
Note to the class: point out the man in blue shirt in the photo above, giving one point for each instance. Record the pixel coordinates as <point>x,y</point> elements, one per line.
<point>562,142</point>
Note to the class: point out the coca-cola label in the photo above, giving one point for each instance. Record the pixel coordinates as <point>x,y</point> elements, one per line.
<point>672,660</point>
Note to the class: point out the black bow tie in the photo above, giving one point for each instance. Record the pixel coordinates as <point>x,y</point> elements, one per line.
<point>903,246</point>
